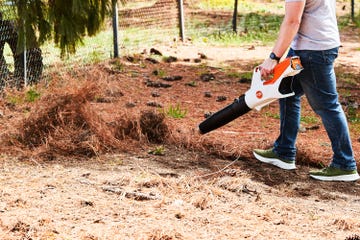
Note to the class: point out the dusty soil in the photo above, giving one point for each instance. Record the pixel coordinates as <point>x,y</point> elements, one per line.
<point>181,185</point>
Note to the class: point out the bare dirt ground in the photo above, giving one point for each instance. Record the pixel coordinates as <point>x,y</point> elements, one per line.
<point>64,174</point>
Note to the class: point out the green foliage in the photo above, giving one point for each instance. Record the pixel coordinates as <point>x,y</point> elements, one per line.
<point>243,5</point>
<point>13,99</point>
<point>216,4</point>
<point>353,114</point>
<point>272,115</point>
<point>33,23</point>
<point>347,77</point>
<point>243,75</point>
<point>29,96</point>
<point>253,27</point>
<point>261,23</point>
<point>309,119</point>
<point>226,38</point>
<point>67,22</point>
<point>233,74</point>
<point>142,37</point>
<point>191,84</point>
<point>160,73</point>
<point>95,56</point>
<point>159,150</point>
<point>355,127</point>
<point>176,112</point>
<point>118,66</point>
<point>305,119</point>
<point>32,95</point>
<point>74,19</point>
<point>346,20</point>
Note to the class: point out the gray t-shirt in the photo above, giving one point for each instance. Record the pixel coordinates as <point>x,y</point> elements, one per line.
<point>318,29</point>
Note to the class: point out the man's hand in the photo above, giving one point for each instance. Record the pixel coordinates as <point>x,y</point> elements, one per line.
<point>267,68</point>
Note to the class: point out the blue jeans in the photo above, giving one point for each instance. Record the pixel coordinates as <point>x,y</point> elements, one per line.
<point>318,82</point>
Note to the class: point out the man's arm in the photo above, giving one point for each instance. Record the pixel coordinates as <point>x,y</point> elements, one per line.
<point>288,29</point>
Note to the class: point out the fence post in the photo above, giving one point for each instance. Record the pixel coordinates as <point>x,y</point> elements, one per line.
<point>352,10</point>
<point>234,21</point>
<point>181,20</point>
<point>115,29</point>
<point>25,57</point>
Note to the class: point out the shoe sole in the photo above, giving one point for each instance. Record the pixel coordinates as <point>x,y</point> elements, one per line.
<point>276,162</point>
<point>344,178</point>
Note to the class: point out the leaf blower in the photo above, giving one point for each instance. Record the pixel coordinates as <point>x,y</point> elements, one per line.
<point>260,94</point>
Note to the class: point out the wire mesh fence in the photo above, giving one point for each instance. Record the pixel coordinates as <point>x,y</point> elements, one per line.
<point>145,22</point>
<point>149,22</point>
<point>17,66</point>
<point>141,24</point>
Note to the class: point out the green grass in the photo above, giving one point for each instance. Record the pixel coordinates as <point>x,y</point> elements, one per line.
<point>118,66</point>
<point>135,4</point>
<point>246,75</point>
<point>160,73</point>
<point>94,49</point>
<point>137,37</point>
<point>308,119</point>
<point>13,99</point>
<point>272,115</point>
<point>354,118</point>
<point>232,74</point>
<point>175,111</point>
<point>345,20</point>
<point>251,28</point>
<point>32,95</point>
<point>159,150</point>
<point>243,5</point>
<point>355,128</point>
<point>348,78</point>
<point>353,114</point>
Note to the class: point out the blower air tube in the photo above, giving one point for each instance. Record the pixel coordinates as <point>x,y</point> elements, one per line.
<point>225,115</point>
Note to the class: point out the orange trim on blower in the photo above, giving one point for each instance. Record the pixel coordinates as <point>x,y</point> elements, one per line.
<point>259,94</point>
<point>278,71</point>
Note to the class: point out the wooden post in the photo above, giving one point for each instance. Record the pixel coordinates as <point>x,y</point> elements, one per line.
<point>181,20</point>
<point>234,21</point>
<point>115,29</point>
<point>352,10</point>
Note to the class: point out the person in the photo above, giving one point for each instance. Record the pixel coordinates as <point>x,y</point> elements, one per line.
<point>309,30</point>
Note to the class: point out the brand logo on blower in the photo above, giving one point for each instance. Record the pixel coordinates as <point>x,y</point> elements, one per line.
<point>259,94</point>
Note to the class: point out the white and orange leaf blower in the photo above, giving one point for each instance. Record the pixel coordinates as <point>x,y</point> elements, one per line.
<point>260,94</point>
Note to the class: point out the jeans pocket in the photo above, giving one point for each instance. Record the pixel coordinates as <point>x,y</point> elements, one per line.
<point>330,55</point>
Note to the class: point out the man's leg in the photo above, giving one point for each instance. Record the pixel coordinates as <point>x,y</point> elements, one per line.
<point>319,85</point>
<point>283,153</point>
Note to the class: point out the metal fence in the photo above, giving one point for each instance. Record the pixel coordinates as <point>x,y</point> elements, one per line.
<point>140,24</point>
<point>17,67</point>
<point>144,23</point>
<point>147,22</point>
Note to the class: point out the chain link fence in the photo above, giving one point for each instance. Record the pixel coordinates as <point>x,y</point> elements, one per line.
<point>17,67</point>
<point>141,25</point>
<point>144,23</point>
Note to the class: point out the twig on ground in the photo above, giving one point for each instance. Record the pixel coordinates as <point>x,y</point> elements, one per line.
<point>219,171</point>
<point>135,195</point>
